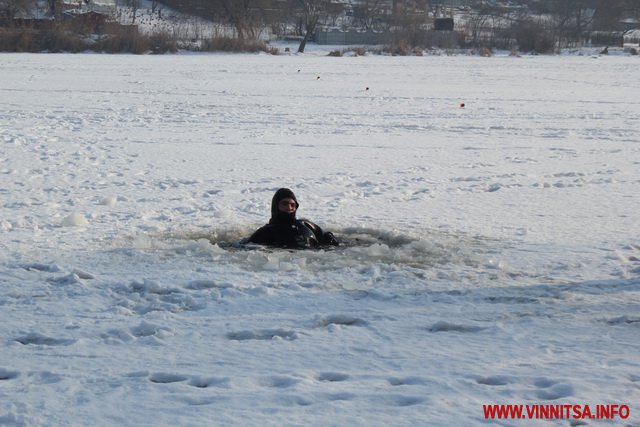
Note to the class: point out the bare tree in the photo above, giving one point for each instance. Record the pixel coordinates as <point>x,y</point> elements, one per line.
<point>52,6</point>
<point>607,14</point>
<point>476,26</point>
<point>312,11</point>
<point>409,19</point>
<point>11,9</point>
<point>283,17</point>
<point>490,24</point>
<point>239,14</point>
<point>133,6</point>
<point>369,13</point>
<point>572,20</point>
<point>632,8</point>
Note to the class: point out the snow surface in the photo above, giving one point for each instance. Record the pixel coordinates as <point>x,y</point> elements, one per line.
<point>491,252</point>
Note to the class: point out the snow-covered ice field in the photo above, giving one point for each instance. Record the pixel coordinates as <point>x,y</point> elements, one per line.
<point>491,252</point>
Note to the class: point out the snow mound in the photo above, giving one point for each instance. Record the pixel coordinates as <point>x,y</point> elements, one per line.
<point>75,220</point>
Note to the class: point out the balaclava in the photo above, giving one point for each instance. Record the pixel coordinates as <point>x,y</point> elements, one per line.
<point>276,214</point>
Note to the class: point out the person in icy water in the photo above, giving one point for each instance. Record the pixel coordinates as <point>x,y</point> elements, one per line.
<point>286,231</point>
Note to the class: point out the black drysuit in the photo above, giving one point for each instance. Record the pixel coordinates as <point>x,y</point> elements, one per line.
<point>285,231</point>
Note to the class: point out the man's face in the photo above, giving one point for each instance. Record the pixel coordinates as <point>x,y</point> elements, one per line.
<point>287,205</point>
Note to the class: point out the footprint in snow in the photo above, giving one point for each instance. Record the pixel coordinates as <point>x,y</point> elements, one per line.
<point>206,382</point>
<point>399,381</point>
<point>200,400</point>
<point>279,382</point>
<point>402,401</point>
<point>38,339</point>
<point>510,300</point>
<point>624,320</point>
<point>340,320</point>
<point>453,327</point>
<point>333,397</point>
<point>332,377</point>
<point>6,374</point>
<point>262,334</point>
<point>544,382</point>
<point>166,378</point>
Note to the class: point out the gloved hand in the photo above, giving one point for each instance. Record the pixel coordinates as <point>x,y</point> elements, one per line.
<point>330,239</point>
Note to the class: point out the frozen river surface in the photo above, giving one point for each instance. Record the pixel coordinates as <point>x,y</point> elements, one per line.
<point>488,209</point>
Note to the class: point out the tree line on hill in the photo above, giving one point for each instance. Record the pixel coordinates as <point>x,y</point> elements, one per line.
<point>526,25</point>
<point>530,25</point>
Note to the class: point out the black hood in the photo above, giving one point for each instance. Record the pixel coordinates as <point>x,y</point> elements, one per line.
<point>276,215</point>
